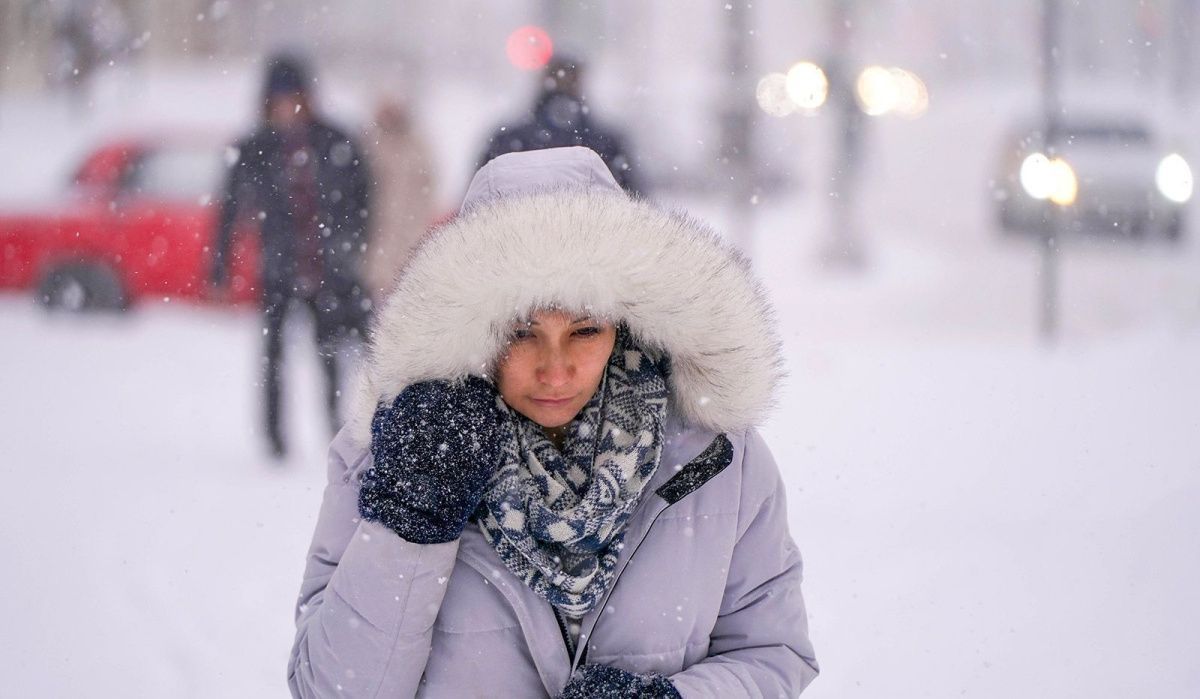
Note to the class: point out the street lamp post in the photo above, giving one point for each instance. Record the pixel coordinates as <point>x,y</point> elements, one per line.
<point>1050,111</point>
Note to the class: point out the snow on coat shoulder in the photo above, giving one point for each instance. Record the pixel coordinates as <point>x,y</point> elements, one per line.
<point>551,228</point>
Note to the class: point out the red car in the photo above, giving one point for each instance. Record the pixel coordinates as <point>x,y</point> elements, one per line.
<point>137,221</point>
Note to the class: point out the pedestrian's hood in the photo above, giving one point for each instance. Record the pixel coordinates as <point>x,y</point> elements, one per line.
<point>552,228</point>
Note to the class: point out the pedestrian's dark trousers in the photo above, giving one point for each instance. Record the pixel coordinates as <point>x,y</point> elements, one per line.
<point>328,334</point>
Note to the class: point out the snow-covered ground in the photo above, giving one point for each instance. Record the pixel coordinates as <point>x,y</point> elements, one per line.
<point>981,515</point>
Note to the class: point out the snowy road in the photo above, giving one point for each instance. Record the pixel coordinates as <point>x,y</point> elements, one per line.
<point>150,549</point>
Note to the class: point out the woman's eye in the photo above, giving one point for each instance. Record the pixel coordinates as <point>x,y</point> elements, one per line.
<point>521,334</point>
<point>589,331</point>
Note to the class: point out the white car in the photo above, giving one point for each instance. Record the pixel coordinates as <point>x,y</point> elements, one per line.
<point>1105,174</point>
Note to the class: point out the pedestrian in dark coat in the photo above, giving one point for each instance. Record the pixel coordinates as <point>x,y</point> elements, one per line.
<point>552,485</point>
<point>562,117</point>
<point>305,185</point>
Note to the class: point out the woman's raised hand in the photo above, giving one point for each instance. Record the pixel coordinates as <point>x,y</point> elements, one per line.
<point>435,448</point>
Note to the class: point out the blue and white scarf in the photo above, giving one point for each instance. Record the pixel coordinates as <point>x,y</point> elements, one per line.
<point>557,519</point>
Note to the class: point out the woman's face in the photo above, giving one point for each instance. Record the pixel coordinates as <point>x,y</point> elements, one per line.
<point>554,365</point>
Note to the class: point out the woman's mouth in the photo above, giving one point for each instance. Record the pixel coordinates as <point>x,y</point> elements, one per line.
<point>552,402</point>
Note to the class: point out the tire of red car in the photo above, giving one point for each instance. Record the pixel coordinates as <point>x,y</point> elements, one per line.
<point>81,286</point>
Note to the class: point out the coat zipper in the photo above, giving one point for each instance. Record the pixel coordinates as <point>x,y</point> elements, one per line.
<point>566,634</point>
<point>579,660</point>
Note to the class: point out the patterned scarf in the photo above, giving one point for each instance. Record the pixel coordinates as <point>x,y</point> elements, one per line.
<point>557,519</point>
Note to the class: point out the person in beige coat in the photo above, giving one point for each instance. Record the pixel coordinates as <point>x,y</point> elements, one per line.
<point>403,206</point>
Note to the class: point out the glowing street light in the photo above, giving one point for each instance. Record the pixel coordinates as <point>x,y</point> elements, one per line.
<point>807,86</point>
<point>877,90</point>
<point>883,90</point>
<point>772,95</point>
<point>913,97</point>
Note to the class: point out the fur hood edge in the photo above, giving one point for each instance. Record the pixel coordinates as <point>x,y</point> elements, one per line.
<point>679,288</point>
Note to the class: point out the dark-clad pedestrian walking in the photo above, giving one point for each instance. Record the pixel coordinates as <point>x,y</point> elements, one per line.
<point>562,116</point>
<point>304,183</point>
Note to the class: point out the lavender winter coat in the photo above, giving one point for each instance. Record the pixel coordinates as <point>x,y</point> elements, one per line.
<point>707,587</point>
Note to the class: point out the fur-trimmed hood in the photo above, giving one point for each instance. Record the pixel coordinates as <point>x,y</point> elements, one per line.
<point>551,228</point>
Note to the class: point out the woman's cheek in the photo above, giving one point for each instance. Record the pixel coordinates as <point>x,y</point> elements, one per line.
<point>507,374</point>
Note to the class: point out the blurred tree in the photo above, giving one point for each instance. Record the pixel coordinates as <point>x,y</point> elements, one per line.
<point>845,246</point>
<point>1182,55</point>
<point>86,35</point>
<point>736,118</point>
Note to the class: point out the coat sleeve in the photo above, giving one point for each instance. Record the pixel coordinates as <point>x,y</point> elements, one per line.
<point>759,646</point>
<point>238,180</point>
<point>369,598</point>
<point>361,180</point>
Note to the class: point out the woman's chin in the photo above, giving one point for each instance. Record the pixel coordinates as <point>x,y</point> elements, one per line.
<point>553,422</point>
<point>550,417</point>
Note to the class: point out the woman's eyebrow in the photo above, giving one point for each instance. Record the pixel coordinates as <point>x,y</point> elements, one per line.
<point>573,322</point>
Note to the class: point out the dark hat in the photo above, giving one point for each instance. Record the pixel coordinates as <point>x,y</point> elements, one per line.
<point>562,76</point>
<point>564,62</point>
<point>286,74</point>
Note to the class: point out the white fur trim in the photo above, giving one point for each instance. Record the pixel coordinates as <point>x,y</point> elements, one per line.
<point>676,284</point>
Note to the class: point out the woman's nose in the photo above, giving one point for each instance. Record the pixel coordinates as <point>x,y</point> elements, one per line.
<point>556,368</point>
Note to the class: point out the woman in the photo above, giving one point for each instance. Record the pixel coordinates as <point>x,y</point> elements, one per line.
<point>553,486</point>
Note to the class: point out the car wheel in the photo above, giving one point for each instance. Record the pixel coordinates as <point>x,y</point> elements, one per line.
<point>1173,228</point>
<point>1003,219</point>
<point>1135,228</point>
<point>1008,219</point>
<point>81,287</point>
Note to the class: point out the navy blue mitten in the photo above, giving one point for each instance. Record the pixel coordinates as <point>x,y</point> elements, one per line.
<point>608,682</point>
<point>435,448</point>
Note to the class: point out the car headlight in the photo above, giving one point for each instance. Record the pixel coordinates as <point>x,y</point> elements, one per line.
<point>1174,178</point>
<point>1049,178</point>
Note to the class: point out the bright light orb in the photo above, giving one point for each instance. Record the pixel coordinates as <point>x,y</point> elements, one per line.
<point>807,86</point>
<point>772,95</point>
<point>529,48</point>
<point>1045,178</point>
<point>1174,178</point>
<point>878,90</point>
<point>912,96</point>
<point>1066,186</point>
<point>1035,177</point>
